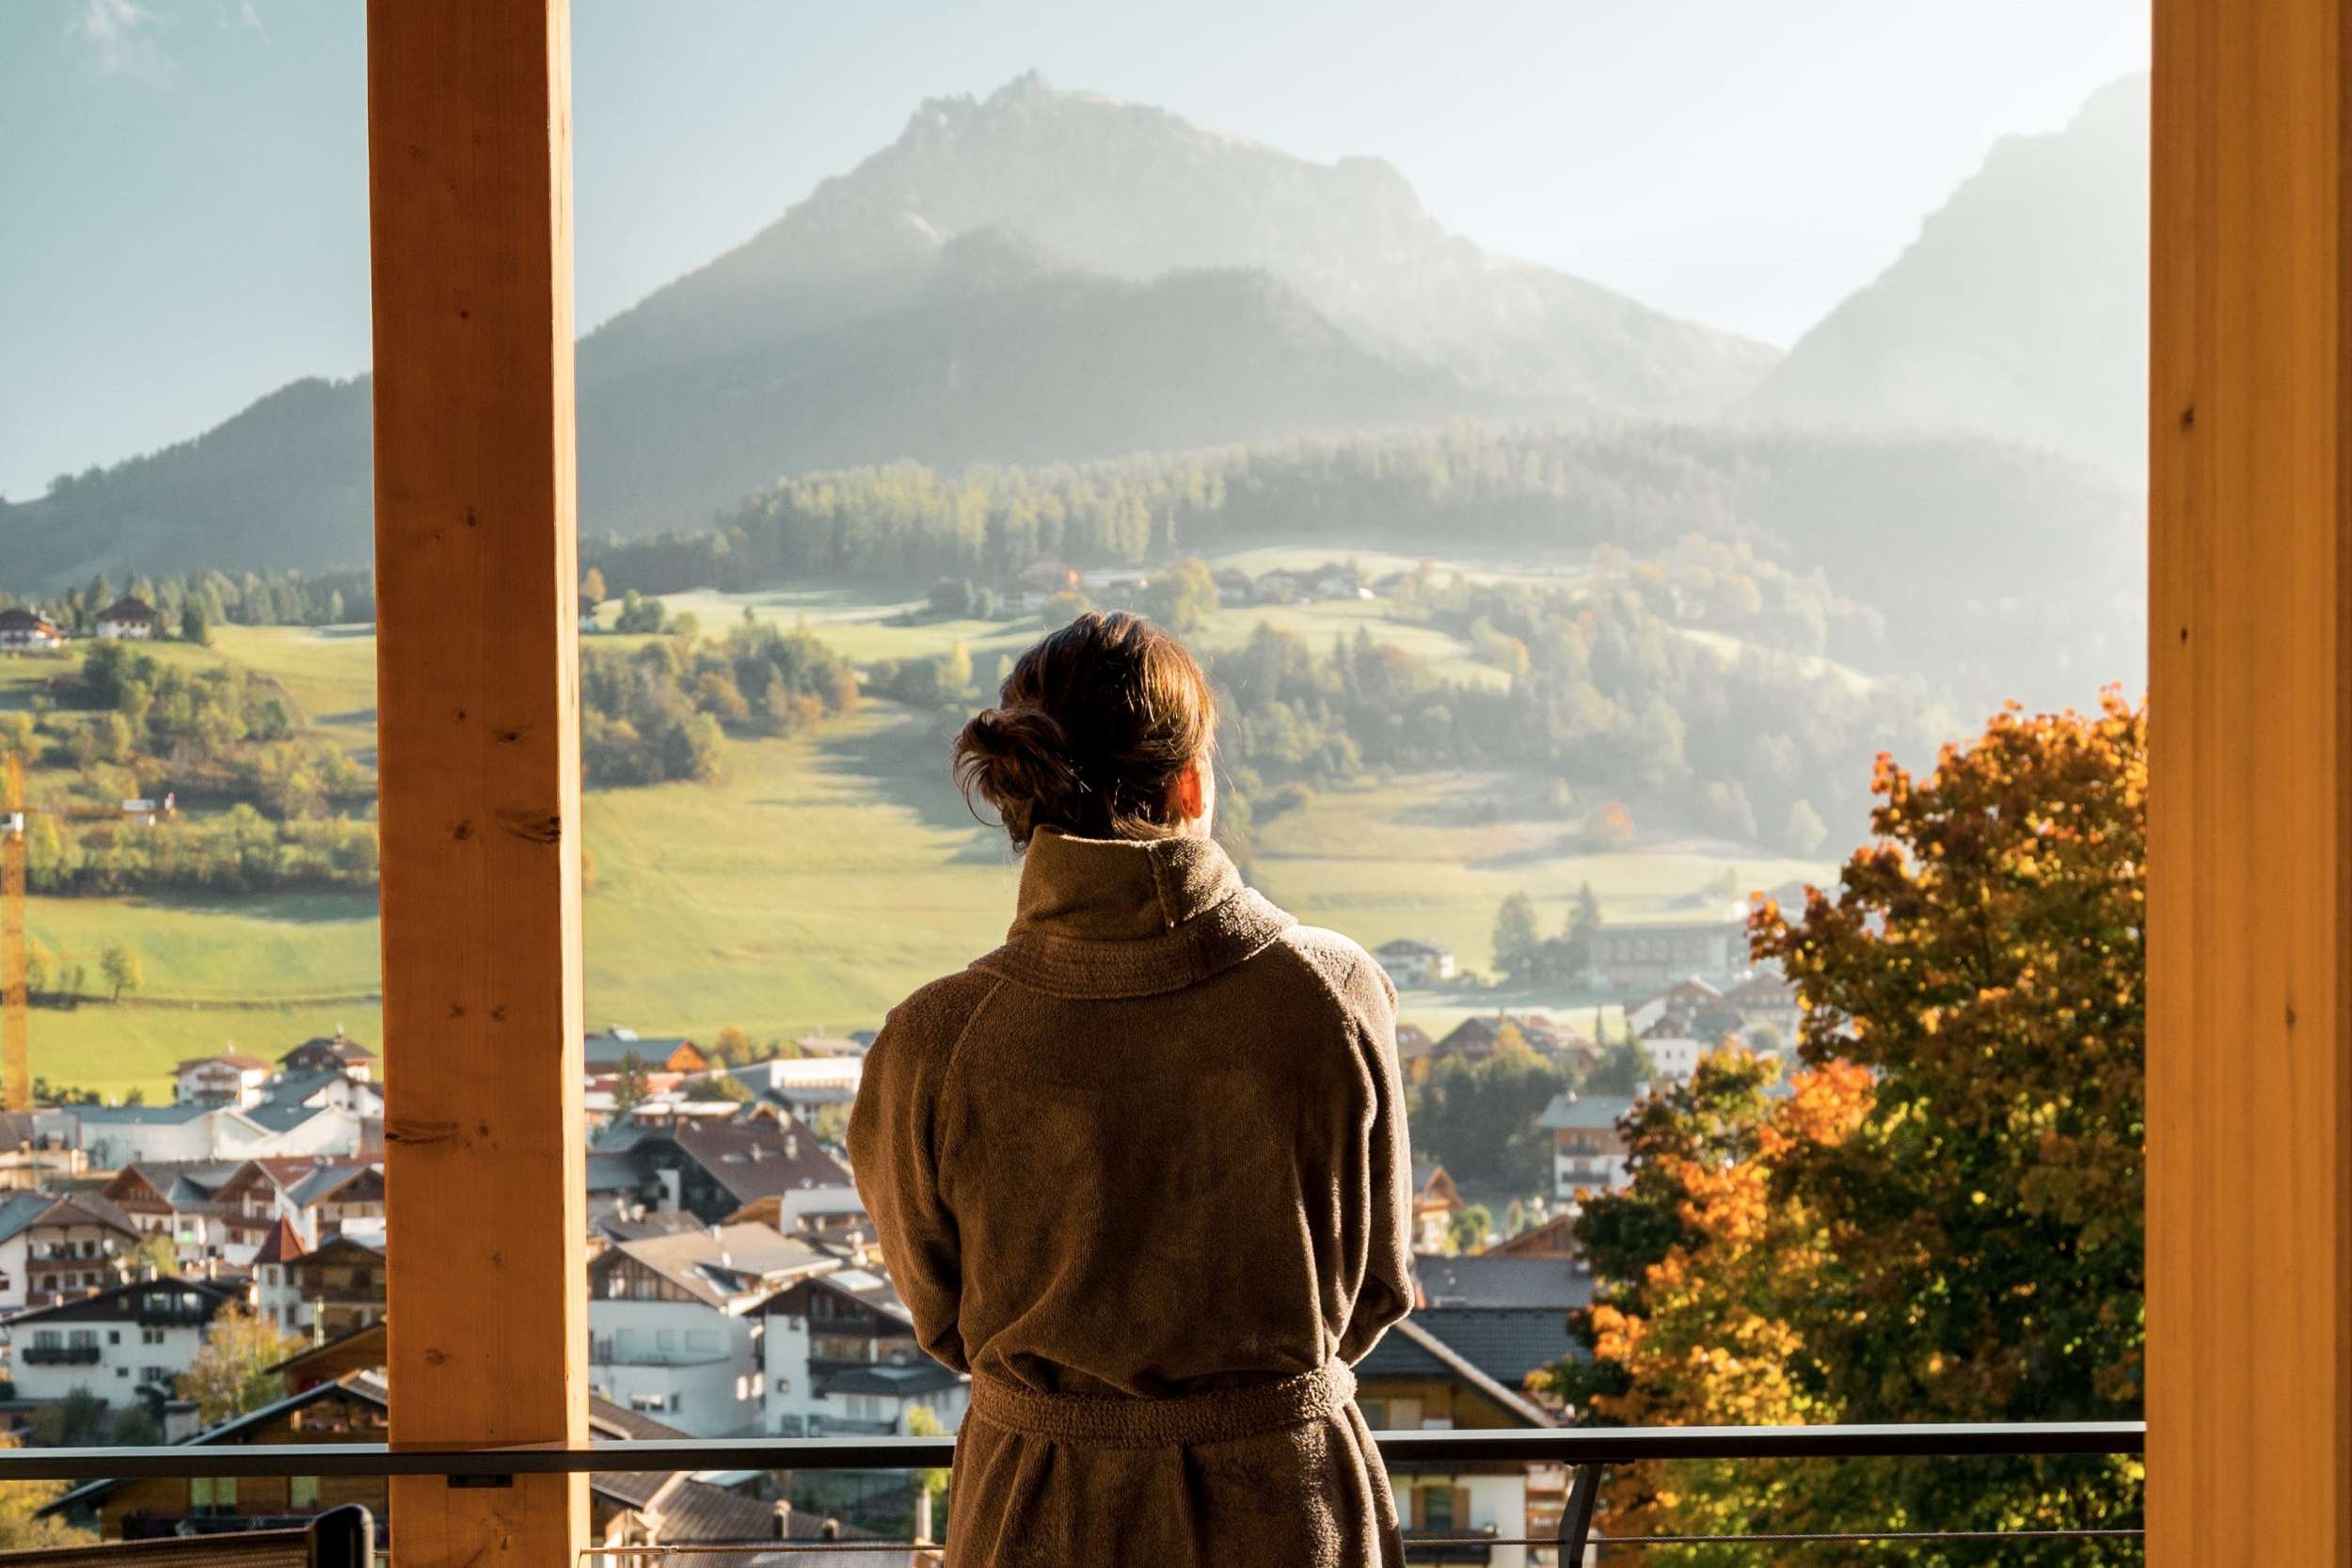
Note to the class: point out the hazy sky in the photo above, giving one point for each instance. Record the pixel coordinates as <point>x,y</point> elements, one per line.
<point>183,182</point>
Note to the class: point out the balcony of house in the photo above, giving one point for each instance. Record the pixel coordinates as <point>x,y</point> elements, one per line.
<point>59,1356</point>
<point>635,1350</point>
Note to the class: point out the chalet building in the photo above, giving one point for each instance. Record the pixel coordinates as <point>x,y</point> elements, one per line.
<point>230,1077</point>
<point>334,1052</point>
<point>1413,962</point>
<point>24,630</point>
<point>125,1343</point>
<point>1633,958</point>
<point>277,1289</point>
<point>674,1322</point>
<point>801,1085</point>
<point>1674,1047</point>
<point>128,617</point>
<point>1587,1148</point>
<point>1417,1379</point>
<point>54,1249</point>
<point>38,1149</point>
<point>841,1359</point>
<point>605,1055</point>
<point>1435,1204</point>
<point>182,1200</point>
<point>1766,998</point>
<point>1473,1037</point>
<point>352,1410</point>
<point>713,1167</point>
<point>1684,998</point>
<point>339,1284</point>
<point>323,1197</point>
<point>1413,1042</point>
<point>1554,1237</point>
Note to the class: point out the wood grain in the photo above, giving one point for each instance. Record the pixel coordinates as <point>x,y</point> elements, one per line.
<point>2249,1022</point>
<point>469,182</point>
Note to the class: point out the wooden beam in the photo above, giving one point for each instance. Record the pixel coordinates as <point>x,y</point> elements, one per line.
<point>469,182</point>
<point>2249,984</point>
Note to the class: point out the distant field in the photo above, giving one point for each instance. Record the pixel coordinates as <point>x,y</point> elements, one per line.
<point>826,874</point>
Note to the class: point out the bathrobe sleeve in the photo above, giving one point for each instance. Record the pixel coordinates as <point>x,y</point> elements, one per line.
<point>1386,1292</point>
<point>894,1145</point>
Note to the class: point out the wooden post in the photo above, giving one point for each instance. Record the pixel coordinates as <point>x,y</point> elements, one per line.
<point>2250,983</point>
<point>469,180</point>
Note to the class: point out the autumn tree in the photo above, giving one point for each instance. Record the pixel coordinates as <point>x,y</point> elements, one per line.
<point>230,1374</point>
<point>632,1085</point>
<point>1942,1221</point>
<point>1182,597</point>
<point>123,968</point>
<point>20,1502</point>
<point>1517,934</point>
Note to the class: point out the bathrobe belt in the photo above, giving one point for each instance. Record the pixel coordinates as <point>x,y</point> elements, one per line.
<point>1223,1416</point>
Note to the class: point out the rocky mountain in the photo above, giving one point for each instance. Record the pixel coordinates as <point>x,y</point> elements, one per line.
<point>1039,275</point>
<point>2020,310</point>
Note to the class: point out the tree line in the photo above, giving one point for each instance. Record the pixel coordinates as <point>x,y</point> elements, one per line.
<point>664,710</point>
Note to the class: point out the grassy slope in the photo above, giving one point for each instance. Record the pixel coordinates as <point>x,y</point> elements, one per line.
<point>825,876</point>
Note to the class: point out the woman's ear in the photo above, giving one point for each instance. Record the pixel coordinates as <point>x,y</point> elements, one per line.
<point>1190,795</point>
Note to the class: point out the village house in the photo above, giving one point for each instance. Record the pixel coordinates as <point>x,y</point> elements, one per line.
<point>338,1286</point>
<point>334,1052</point>
<point>123,1343</point>
<point>117,1136</point>
<point>841,1359</point>
<point>606,1055</point>
<point>1587,1149</point>
<point>1435,1204</point>
<point>1552,1237</point>
<point>674,1322</point>
<point>53,1248</point>
<point>182,1202</point>
<point>1766,1000</point>
<point>1634,957</point>
<point>322,1197</point>
<point>1411,961</point>
<point>712,1167</point>
<point>38,1149</point>
<point>127,617</point>
<point>1673,1049</point>
<point>27,630</point>
<point>230,1077</point>
<point>1682,999</point>
<point>276,1288</point>
<point>800,1085</point>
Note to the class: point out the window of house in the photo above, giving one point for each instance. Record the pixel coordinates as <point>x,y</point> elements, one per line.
<point>217,1493</point>
<point>302,1492</point>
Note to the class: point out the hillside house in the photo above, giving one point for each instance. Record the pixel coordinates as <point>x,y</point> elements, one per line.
<point>25,630</point>
<point>605,1055</point>
<point>1767,999</point>
<point>1675,1048</point>
<point>674,1322</point>
<point>1637,958</point>
<point>53,1248</point>
<point>800,1085</point>
<point>1435,1204</point>
<point>1416,1378</point>
<point>230,1077</point>
<point>334,1052</point>
<point>183,1201</point>
<point>38,1149</point>
<point>1587,1148</point>
<point>841,1359</point>
<point>1682,999</point>
<point>129,617</point>
<point>321,1197</point>
<point>124,1344</point>
<point>339,1284</point>
<point>1554,1237</point>
<point>713,1167</point>
<point>276,1288</point>
<point>1411,961</point>
<point>1413,1043</point>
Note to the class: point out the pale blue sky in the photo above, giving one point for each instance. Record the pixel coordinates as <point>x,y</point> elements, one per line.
<point>183,195</point>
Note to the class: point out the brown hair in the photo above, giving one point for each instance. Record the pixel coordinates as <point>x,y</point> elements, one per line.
<point>1089,733</point>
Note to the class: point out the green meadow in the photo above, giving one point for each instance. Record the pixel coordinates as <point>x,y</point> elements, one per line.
<point>826,874</point>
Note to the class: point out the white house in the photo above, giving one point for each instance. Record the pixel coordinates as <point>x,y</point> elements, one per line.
<point>127,617</point>
<point>53,1248</point>
<point>119,1135</point>
<point>1411,961</point>
<point>116,1344</point>
<point>229,1078</point>
<point>674,1322</point>
<point>841,1359</point>
<point>24,630</point>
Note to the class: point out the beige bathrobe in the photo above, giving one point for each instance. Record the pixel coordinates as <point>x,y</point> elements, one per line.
<point>1142,1172</point>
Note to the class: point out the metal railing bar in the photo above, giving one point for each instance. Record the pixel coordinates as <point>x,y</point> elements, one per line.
<point>1571,1446</point>
<point>1607,1542</point>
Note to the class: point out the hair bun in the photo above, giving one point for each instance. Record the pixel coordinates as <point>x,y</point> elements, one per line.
<point>1018,760</point>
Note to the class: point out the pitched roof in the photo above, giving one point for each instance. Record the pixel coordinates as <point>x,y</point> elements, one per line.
<point>226,1058</point>
<point>327,1181</point>
<point>719,1266</point>
<point>282,1246</point>
<point>1504,1342</point>
<point>128,608</point>
<point>1409,1350</point>
<point>1499,1279</point>
<point>342,1045</point>
<point>1584,1113</point>
<point>212,1294</point>
<point>611,1048</point>
<point>22,1211</point>
<point>147,1116</point>
<point>1410,946</point>
<point>1413,1040</point>
<point>760,1156</point>
<point>923,1376</point>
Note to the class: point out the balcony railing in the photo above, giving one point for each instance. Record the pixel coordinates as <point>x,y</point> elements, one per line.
<point>59,1356</point>
<point>1587,1451</point>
